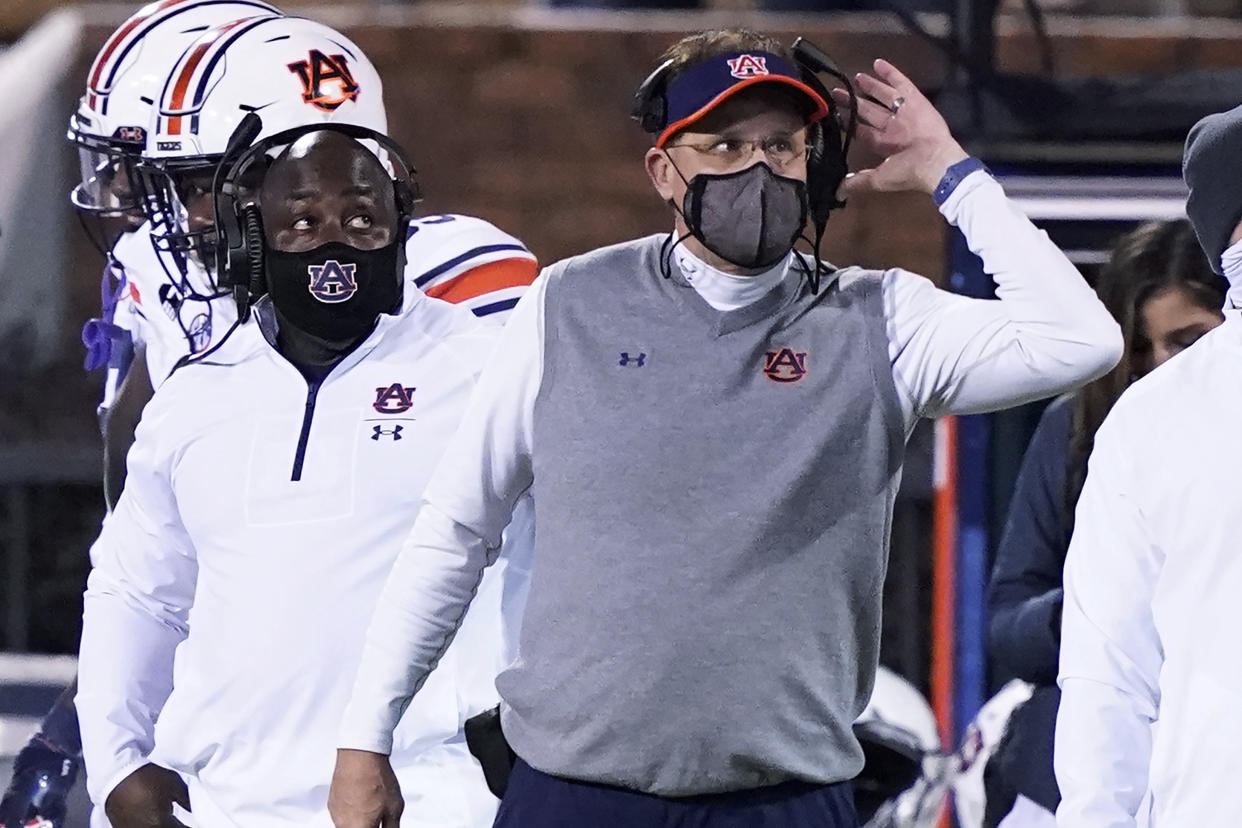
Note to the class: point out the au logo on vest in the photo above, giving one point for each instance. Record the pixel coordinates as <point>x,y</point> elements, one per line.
<point>326,80</point>
<point>393,399</point>
<point>748,66</point>
<point>785,365</point>
<point>332,282</point>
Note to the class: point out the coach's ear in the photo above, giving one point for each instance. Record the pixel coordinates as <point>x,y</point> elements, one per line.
<point>662,173</point>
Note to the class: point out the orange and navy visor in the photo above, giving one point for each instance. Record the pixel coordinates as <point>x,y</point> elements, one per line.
<point>702,87</point>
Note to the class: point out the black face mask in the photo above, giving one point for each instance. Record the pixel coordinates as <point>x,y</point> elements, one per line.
<point>751,218</point>
<point>335,292</point>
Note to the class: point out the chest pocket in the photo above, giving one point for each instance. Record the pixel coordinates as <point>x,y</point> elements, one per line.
<point>328,488</point>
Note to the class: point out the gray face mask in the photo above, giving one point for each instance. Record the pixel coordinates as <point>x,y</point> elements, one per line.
<point>751,218</point>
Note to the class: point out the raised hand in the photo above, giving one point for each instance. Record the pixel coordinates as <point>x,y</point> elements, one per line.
<point>904,129</point>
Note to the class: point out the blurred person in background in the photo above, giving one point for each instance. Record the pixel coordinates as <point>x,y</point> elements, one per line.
<point>1148,731</point>
<point>713,427</point>
<point>1160,289</point>
<point>267,489</point>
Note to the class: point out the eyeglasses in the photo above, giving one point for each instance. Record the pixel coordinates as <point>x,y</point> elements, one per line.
<point>723,151</point>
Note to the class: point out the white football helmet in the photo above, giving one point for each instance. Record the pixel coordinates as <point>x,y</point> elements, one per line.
<point>292,71</point>
<point>906,779</point>
<point>111,123</point>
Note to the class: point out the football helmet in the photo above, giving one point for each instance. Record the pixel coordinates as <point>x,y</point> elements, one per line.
<point>113,116</point>
<point>292,71</point>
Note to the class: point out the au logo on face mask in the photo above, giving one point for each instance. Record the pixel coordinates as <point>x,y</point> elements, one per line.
<point>332,282</point>
<point>785,365</point>
<point>326,80</point>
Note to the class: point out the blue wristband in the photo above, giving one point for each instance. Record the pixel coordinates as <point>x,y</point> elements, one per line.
<point>953,176</point>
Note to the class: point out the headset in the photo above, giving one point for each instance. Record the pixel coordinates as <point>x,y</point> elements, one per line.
<point>827,164</point>
<point>239,224</point>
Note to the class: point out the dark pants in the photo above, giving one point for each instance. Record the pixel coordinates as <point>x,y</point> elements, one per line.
<point>537,800</point>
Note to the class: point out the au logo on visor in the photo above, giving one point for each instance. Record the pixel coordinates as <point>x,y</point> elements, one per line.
<point>748,66</point>
<point>332,282</point>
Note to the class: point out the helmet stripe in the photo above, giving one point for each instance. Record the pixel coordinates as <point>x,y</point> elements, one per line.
<point>183,80</point>
<point>190,63</point>
<point>166,10</point>
<point>117,38</point>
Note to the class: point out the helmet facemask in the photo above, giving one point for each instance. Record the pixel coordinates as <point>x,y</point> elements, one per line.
<point>172,186</point>
<point>108,198</point>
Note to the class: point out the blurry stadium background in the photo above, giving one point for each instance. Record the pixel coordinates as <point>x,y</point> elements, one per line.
<point>516,111</point>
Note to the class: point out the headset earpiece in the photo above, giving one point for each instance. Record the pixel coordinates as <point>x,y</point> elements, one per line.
<point>829,139</point>
<point>408,193</point>
<point>650,107</point>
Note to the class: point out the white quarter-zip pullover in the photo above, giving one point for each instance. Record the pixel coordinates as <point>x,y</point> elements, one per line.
<point>259,521</point>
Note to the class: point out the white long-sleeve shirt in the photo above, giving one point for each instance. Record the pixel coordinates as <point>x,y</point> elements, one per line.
<point>1149,725</point>
<point>950,354</point>
<point>259,521</point>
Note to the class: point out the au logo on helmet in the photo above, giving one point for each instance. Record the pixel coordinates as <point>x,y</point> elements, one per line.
<point>748,66</point>
<point>326,80</point>
<point>785,365</point>
<point>332,282</point>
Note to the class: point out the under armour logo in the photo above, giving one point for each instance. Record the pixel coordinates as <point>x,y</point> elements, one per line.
<point>748,66</point>
<point>380,431</point>
<point>638,361</point>
<point>131,134</point>
<point>785,365</point>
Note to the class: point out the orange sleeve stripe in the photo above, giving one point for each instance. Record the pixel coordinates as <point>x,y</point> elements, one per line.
<point>487,278</point>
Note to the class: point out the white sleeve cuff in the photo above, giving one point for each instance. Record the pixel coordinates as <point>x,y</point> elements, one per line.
<point>374,741</point>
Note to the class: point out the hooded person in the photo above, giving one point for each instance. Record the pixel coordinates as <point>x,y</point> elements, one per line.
<point>1212,167</point>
